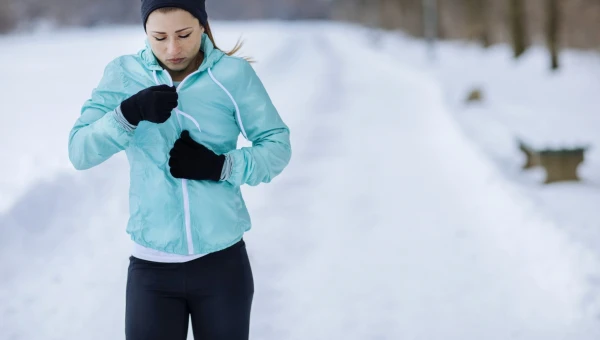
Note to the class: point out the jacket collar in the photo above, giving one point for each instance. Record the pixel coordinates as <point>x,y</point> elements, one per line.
<point>211,55</point>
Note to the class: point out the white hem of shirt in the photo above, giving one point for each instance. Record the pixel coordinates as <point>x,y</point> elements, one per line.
<point>152,255</point>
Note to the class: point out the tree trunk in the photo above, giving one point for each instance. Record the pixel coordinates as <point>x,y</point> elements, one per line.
<point>477,21</point>
<point>390,13</point>
<point>7,17</point>
<point>372,13</point>
<point>412,17</point>
<point>552,30</point>
<point>517,24</point>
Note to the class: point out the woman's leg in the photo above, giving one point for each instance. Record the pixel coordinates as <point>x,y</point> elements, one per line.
<point>156,308</point>
<point>220,293</point>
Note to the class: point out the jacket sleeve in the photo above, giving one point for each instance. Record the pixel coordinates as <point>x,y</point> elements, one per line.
<point>260,122</point>
<point>100,131</point>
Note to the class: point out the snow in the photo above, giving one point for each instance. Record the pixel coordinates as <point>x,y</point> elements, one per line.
<point>402,215</point>
<point>523,100</point>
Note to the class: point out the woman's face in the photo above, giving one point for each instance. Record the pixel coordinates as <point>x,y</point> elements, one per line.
<point>175,38</point>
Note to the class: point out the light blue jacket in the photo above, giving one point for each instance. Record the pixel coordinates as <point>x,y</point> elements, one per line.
<point>222,99</point>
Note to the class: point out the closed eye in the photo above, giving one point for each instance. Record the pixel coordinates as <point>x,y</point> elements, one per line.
<point>185,36</point>
<point>159,39</point>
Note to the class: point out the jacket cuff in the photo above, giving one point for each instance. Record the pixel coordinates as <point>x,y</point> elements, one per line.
<point>122,120</point>
<point>227,167</point>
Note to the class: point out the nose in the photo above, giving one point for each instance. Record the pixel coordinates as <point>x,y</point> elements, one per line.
<point>173,47</point>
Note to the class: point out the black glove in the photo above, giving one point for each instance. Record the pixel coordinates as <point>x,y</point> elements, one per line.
<point>192,160</point>
<point>153,104</point>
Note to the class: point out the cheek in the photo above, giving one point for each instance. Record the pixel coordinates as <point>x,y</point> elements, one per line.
<point>192,48</point>
<point>157,49</point>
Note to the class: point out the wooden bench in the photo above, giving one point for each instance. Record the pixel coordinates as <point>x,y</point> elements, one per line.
<point>554,140</point>
<point>560,163</point>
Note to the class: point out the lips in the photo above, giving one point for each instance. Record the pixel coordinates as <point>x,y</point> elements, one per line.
<point>176,60</point>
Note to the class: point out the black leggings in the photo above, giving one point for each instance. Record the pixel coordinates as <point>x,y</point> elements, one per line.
<point>216,290</point>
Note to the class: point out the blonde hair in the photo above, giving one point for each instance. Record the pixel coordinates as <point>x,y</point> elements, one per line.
<point>208,31</point>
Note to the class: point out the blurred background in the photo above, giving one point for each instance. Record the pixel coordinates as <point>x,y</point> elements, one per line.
<point>575,22</point>
<point>444,183</point>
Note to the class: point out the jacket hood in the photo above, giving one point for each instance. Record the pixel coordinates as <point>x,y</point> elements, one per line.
<point>211,55</point>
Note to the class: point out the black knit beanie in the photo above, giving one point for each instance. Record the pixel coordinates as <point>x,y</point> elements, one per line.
<point>196,7</point>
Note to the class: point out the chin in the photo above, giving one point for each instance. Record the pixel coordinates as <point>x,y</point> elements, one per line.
<point>177,68</point>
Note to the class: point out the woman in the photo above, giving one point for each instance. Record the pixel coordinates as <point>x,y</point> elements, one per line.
<point>177,108</point>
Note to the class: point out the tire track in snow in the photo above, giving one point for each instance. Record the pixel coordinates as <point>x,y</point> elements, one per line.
<point>67,235</point>
<point>305,93</point>
<point>308,185</point>
<point>337,210</point>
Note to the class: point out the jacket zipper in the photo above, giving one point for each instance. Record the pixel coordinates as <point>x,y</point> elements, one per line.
<point>186,197</point>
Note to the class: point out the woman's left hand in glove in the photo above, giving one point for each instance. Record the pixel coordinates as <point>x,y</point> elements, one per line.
<point>192,160</point>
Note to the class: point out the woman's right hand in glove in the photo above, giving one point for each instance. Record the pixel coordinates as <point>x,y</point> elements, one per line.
<point>153,104</point>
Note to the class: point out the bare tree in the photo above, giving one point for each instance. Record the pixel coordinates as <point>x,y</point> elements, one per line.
<point>552,29</point>
<point>390,12</point>
<point>478,21</point>
<point>411,17</point>
<point>517,26</point>
<point>371,12</point>
<point>346,10</point>
<point>7,17</point>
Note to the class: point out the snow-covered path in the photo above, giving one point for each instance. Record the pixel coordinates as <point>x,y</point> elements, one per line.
<point>386,225</point>
<point>410,234</point>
